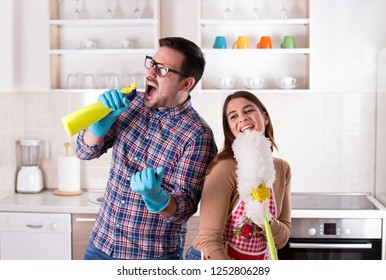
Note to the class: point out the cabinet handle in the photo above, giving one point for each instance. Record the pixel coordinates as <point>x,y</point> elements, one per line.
<point>329,246</point>
<point>34,226</point>
<point>85,219</point>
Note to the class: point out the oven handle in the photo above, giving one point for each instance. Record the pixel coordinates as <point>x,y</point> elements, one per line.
<point>329,246</point>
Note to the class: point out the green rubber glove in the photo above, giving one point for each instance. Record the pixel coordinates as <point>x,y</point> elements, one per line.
<point>147,183</point>
<point>117,102</point>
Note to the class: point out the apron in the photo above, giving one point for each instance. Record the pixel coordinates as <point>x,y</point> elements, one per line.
<point>241,239</point>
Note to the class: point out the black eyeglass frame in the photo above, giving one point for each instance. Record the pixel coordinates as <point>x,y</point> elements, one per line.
<point>155,64</point>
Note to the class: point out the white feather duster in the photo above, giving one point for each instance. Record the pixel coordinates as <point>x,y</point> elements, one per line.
<point>255,166</point>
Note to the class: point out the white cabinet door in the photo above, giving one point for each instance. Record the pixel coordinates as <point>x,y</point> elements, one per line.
<point>35,236</point>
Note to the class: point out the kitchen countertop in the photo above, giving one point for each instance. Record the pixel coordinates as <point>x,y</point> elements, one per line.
<point>379,212</point>
<point>48,202</point>
<point>85,203</point>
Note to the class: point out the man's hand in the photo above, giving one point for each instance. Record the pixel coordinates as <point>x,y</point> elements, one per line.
<point>117,102</point>
<point>147,183</point>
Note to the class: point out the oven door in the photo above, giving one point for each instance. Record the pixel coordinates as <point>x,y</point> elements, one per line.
<point>331,249</point>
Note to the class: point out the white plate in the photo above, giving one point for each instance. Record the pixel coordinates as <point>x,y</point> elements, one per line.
<point>288,87</point>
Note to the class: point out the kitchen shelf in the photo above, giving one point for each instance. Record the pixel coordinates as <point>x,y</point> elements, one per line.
<point>269,64</point>
<point>262,90</point>
<point>103,22</point>
<point>99,51</point>
<point>69,36</point>
<point>223,22</point>
<point>257,51</point>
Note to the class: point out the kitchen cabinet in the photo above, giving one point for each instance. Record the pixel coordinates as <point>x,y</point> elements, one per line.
<point>82,225</point>
<point>35,236</point>
<point>91,44</point>
<point>269,64</point>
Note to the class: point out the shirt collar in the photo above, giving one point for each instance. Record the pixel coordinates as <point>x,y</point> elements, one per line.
<point>172,112</point>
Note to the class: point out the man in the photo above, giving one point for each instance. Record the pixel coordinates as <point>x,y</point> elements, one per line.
<point>161,149</point>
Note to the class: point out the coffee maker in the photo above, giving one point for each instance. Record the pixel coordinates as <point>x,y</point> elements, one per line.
<point>30,177</point>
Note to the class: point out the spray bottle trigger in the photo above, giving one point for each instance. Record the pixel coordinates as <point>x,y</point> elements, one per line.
<point>130,91</point>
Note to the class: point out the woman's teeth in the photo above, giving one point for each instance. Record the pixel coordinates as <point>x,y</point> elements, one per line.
<point>245,128</point>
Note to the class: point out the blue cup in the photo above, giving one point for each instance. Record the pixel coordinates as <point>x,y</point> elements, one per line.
<point>220,43</point>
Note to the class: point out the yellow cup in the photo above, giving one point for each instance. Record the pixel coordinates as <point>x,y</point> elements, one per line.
<point>242,42</point>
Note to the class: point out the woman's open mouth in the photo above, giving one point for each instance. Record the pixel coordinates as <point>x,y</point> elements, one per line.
<point>245,128</point>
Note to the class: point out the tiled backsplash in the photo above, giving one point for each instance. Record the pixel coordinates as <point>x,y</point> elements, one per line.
<point>328,138</point>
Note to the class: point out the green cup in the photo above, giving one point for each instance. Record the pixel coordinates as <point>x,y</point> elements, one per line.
<point>288,42</point>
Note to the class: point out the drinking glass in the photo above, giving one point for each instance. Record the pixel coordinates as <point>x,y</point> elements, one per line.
<point>137,11</point>
<point>110,80</point>
<point>140,80</point>
<point>72,81</point>
<point>256,12</point>
<point>227,12</point>
<point>283,10</point>
<point>76,14</point>
<point>109,13</point>
<point>88,81</point>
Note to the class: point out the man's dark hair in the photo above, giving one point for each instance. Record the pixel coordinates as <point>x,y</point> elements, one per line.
<point>194,63</point>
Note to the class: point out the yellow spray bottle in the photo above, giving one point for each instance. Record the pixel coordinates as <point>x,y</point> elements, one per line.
<point>84,117</point>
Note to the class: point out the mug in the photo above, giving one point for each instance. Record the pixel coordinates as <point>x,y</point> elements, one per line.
<point>265,43</point>
<point>125,44</point>
<point>242,42</point>
<point>225,82</point>
<point>288,42</point>
<point>287,82</point>
<point>89,44</point>
<point>220,43</point>
<point>254,82</point>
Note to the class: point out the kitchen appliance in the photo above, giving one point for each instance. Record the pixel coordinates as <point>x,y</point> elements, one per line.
<point>35,236</point>
<point>335,227</point>
<point>30,177</point>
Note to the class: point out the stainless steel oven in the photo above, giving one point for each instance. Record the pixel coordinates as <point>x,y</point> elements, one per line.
<point>334,227</point>
<point>334,239</point>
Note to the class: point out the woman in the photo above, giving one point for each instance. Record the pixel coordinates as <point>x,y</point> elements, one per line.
<point>242,111</point>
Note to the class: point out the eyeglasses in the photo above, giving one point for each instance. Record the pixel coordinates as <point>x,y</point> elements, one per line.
<point>160,69</point>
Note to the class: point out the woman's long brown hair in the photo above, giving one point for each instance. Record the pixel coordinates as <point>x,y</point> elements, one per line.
<point>227,152</point>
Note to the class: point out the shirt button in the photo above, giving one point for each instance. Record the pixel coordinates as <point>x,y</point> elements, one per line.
<point>123,202</point>
<point>136,158</point>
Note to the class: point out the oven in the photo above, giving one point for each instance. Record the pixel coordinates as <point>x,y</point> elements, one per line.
<point>335,227</point>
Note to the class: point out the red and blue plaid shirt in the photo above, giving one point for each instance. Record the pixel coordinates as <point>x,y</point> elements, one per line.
<point>175,138</point>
